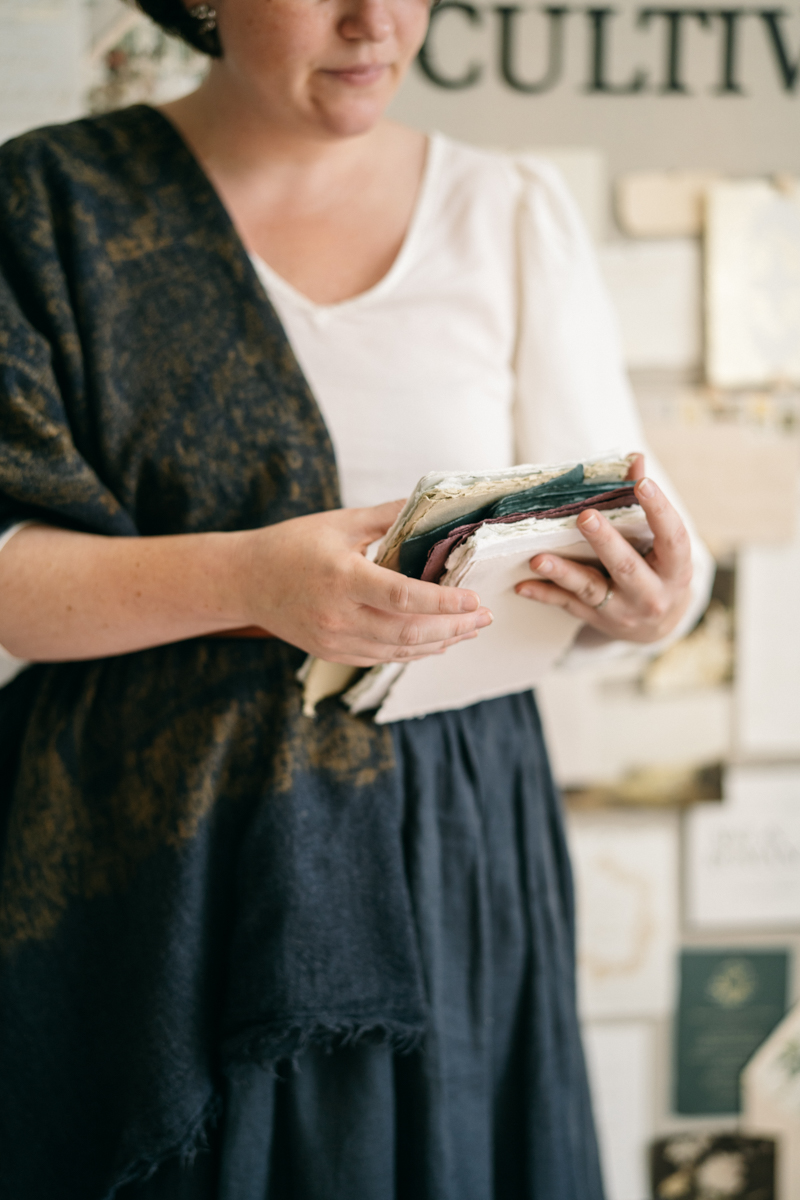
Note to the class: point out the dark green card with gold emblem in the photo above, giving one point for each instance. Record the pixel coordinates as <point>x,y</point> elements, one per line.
<point>730,1001</point>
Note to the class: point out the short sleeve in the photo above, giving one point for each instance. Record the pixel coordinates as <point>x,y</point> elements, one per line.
<point>573,398</point>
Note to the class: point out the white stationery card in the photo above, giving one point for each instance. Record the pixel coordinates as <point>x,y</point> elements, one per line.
<point>626,882</point>
<point>752,283</point>
<point>743,856</point>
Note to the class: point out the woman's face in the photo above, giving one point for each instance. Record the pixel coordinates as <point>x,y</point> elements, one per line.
<point>328,67</point>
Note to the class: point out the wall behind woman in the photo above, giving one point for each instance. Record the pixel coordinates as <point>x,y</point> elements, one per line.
<point>42,55</point>
<point>671,86</point>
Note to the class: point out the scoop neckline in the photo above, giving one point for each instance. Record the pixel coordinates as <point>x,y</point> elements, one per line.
<point>401,260</point>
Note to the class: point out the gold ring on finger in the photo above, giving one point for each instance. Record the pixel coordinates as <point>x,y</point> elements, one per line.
<point>608,596</point>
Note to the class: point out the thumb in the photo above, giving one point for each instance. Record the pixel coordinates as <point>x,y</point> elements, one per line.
<point>374,522</point>
<point>636,469</point>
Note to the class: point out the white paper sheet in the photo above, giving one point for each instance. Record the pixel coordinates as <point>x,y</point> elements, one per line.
<point>768,650</point>
<point>626,878</point>
<point>620,1061</point>
<point>656,291</point>
<point>752,283</point>
<point>743,856</point>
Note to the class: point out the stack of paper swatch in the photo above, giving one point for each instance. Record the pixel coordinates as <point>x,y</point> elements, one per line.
<point>480,531</point>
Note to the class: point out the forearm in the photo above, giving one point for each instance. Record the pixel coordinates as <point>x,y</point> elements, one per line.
<point>66,595</point>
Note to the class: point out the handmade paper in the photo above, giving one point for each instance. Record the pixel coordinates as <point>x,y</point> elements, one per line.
<point>752,283</point>
<point>730,1001</point>
<point>620,1062</point>
<point>743,856</point>
<point>626,879</point>
<point>771,1099</point>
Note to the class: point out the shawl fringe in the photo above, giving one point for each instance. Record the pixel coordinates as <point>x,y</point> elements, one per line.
<point>269,1044</point>
<point>194,1141</point>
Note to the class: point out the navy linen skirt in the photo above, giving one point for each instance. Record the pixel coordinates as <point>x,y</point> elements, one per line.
<point>494,1104</point>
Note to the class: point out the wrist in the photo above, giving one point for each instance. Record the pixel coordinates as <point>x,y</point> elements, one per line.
<point>239,599</point>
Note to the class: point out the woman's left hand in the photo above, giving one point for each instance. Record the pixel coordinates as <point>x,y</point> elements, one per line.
<point>643,598</point>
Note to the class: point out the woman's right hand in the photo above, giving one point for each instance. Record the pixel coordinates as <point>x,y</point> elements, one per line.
<point>307,581</point>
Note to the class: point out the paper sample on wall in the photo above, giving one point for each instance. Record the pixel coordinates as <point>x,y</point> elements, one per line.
<point>771,1099</point>
<point>734,477</point>
<point>656,291</point>
<point>727,1166</point>
<point>768,650</point>
<point>743,856</point>
<point>753,283</point>
<point>626,877</point>
<point>601,729</point>
<point>619,1058</point>
<point>731,999</point>
<point>662,204</point>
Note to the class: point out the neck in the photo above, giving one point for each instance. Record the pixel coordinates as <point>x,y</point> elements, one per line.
<point>231,134</point>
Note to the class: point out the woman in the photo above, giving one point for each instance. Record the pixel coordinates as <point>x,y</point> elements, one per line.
<point>337,955</point>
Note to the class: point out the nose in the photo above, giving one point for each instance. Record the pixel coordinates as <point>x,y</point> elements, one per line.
<point>366,20</point>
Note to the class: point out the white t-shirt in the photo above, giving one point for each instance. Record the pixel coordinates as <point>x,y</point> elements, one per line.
<point>490,341</point>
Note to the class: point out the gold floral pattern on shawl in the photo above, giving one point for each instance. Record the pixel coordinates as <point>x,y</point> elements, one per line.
<point>85,836</point>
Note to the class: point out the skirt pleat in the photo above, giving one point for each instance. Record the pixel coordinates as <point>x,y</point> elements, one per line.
<point>494,1103</point>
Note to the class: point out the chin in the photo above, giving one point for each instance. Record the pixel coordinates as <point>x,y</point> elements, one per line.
<point>354,117</point>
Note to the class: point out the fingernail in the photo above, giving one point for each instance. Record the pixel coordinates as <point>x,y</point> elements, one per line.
<point>469,602</point>
<point>646,489</point>
<point>544,568</point>
<point>485,618</point>
<point>527,592</point>
<point>590,520</point>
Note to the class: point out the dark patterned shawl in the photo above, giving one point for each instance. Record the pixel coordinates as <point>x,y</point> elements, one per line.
<point>191,872</point>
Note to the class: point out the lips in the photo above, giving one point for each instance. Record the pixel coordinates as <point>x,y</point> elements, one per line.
<point>359,76</point>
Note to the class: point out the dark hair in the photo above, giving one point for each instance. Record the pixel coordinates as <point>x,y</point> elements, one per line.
<point>174,18</point>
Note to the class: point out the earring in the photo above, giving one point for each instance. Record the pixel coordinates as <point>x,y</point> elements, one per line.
<point>206,15</point>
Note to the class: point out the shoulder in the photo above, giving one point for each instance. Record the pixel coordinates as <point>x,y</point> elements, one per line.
<point>106,138</point>
<point>523,183</point>
<point>86,162</point>
<point>498,170</point>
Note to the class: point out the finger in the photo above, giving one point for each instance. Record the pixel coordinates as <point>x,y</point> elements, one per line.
<point>413,653</point>
<point>588,584</point>
<point>636,469</point>
<point>389,591</point>
<point>671,556</point>
<point>557,597</point>
<point>359,653</point>
<point>627,568</point>
<point>409,632</point>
